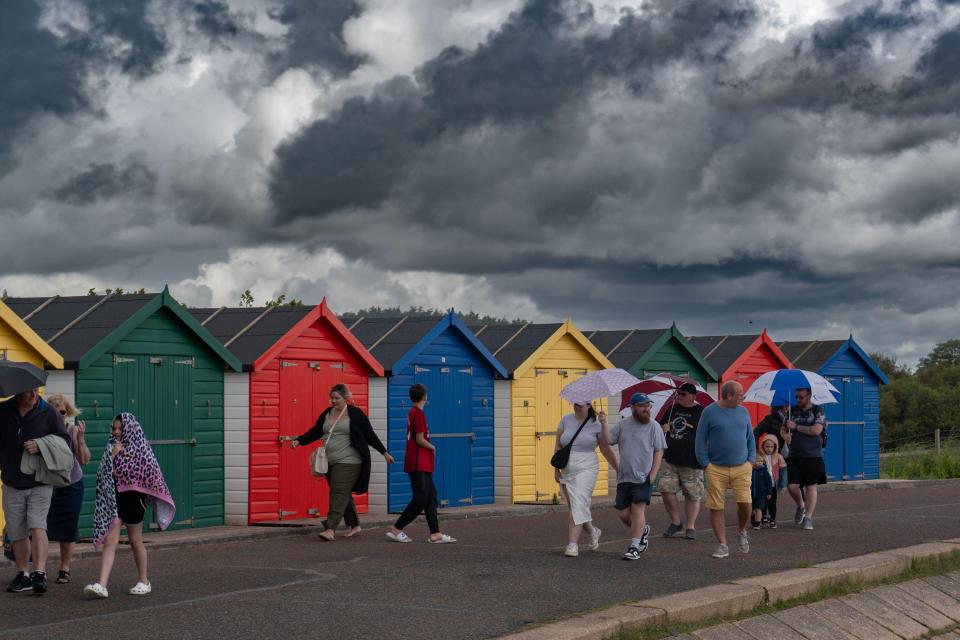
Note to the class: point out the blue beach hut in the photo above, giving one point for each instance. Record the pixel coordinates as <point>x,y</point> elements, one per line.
<point>440,352</point>
<point>853,423</point>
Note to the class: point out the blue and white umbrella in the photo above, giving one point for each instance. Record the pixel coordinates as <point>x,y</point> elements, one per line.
<point>777,388</point>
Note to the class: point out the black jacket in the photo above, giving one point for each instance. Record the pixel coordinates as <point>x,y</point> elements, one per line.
<point>770,424</point>
<point>42,420</point>
<point>362,437</point>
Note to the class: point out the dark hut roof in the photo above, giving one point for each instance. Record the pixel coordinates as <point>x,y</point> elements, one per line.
<point>73,325</point>
<point>390,338</point>
<point>512,344</point>
<point>722,351</point>
<point>250,331</point>
<point>810,355</point>
<point>624,348</point>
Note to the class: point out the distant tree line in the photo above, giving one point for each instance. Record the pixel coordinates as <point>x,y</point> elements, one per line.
<point>470,318</point>
<point>915,403</point>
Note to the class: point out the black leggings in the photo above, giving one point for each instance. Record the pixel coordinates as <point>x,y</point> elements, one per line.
<point>771,508</point>
<point>424,501</point>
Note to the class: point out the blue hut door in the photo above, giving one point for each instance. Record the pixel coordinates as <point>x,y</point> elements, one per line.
<point>449,390</point>
<point>845,426</point>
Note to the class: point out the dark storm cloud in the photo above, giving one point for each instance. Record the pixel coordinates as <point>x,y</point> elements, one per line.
<point>105,181</point>
<point>315,35</point>
<point>527,71</point>
<point>214,18</point>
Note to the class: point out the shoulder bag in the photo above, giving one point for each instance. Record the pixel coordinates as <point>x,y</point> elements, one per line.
<point>561,457</point>
<point>318,459</point>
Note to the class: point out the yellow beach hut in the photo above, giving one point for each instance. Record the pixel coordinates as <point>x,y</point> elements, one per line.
<point>541,359</point>
<point>21,343</point>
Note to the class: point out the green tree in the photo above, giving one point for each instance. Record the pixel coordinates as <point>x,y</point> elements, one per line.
<point>945,354</point>
<point>890,365</point>
<point>281,301</point>
<point>246,298</point>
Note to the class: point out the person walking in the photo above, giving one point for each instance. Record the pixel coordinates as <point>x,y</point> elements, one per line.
<point>24,419</point>
<point>349,436</point>
<point>129,479</point>
<point>777,467</point>
<point>418,463</point>
<point>680,470</point>
<point>727,451</point>
<point>803,433</point>
<point>641,443</point>
<point>579,478</point>
<point>64,515</point>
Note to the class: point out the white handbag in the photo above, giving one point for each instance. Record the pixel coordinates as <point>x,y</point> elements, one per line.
<point>318,459</point>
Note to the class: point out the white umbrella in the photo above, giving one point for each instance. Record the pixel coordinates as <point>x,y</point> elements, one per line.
<point>598,384</point>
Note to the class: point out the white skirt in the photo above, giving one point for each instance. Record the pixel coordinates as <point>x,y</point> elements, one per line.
<point>579,480</point>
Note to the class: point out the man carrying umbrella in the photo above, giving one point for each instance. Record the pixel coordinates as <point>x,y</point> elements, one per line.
<point>680,470</point>
<point>803,432</point>
<point>25,418</point>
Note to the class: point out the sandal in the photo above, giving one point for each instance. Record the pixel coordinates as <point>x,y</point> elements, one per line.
<point>399,537</point>
<point>63,577</point>
<point>329,538</point>
<point>353,532</point>
<point>140,589</point>
<point>444,539</point>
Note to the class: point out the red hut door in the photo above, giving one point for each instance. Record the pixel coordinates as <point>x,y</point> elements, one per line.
<point>304,385</point>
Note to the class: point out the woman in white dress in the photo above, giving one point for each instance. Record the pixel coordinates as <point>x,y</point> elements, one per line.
<point>578,479</point>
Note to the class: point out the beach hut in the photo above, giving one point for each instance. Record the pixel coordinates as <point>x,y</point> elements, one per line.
<point>458,371</point>
<point>291,357</point>
<point>541,359</point>
<point>853,423</point>
<point>20,343</point>
<point>143,353</point>
<point>742,358</point>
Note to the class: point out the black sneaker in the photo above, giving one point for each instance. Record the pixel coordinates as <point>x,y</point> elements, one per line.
<point>645,539</point>
<point>39,580</point>
<point>632,553</point>
<point>672,530</point>
<point>798,516</point>
<point>21,583</point>
<point>772,524</point>
<point>756,525</point>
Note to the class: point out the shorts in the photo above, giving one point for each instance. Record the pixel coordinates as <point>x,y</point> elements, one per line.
<point>630,493</point>
<point>806,471</point>
<point>719,479</point>
<point>673,479</point>
<point>131,507</point>
<point>26,509</point>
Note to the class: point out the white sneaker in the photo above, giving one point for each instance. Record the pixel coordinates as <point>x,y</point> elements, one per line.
<point>96,590</point>
<point>722,551</point>
<point>140,589</point>
<point>572,550</point>
<point>744,542</point>
<point>595,538</point>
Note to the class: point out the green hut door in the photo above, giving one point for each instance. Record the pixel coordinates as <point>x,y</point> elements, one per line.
<point>159,391</point>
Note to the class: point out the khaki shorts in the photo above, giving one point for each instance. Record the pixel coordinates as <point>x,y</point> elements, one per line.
<point>673,479</point>
<point>719,479</point>
<point>26,509</point>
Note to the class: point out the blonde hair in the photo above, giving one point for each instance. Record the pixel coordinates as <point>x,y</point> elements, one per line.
<point>342,389</point>
<point>61,401</point>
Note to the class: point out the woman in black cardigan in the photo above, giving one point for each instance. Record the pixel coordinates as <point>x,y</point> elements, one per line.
<point>349,437</point>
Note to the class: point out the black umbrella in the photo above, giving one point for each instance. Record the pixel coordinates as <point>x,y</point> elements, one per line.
<point>17,377</point>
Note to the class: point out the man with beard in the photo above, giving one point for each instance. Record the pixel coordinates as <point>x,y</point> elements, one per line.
<point>641,443</point>
<point>680,470</point>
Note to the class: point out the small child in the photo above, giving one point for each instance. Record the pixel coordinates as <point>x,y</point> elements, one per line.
<point>774,465</point>
<point>128,478</point>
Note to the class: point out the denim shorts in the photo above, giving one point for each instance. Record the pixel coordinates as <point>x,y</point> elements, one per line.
<point>629,493</point>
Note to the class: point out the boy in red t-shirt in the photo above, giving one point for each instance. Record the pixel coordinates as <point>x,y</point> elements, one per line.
<point>418,460</point>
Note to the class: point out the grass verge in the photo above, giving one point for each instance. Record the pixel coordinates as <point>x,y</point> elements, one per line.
<point>922,464</point>
<point>919,569</point>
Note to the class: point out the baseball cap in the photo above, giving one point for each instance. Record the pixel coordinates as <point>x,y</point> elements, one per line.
<point>688,387</point>
<point>640,398</point>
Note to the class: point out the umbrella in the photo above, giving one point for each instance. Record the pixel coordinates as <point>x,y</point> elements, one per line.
<point>776,388</point>
<point>662,389</point>
<point>598,384</point>
<point>17,377</point>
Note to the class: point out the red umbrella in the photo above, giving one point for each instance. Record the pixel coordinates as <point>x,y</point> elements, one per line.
<point>662,389</point>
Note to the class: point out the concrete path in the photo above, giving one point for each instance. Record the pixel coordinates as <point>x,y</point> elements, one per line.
<point>506,573</point>
<point>928,607</point>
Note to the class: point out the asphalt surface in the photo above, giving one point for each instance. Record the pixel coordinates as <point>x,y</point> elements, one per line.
<point>504,573</point>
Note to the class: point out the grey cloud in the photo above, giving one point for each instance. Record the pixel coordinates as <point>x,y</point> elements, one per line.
<point>104,181</point>
<point>213,17</point>
<point>315,36</point>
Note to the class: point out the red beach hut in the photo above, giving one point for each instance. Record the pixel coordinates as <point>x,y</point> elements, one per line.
<point>291,356</point>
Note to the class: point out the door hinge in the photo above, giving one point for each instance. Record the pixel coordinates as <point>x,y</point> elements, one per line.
<point>563,373</point>
<point>466,500</point>
<point>444,503</point>
<point>337,365</point>
<point>285,513</point>
<point>313,512</point>
<point>121,360</point>
<point>156,360</point>
<point>284,363</point>
<point>444,369</point>
<point>190,362</point>
<point>417,369</point>
<point>541,372</point>
<point>468,371</point>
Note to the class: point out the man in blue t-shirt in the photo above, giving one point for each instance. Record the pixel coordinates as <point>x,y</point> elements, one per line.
<point>726,449</point>
<point>803,432</point>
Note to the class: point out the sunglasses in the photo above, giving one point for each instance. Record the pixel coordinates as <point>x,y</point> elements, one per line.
<point>63,412</point>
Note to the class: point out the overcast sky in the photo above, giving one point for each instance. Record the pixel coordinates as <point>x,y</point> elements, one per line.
<point>725,164</point>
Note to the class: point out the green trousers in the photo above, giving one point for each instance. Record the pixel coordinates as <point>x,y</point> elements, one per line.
<point>341,478</point>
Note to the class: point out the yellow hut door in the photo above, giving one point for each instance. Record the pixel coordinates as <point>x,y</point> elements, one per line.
<point>550,409</point>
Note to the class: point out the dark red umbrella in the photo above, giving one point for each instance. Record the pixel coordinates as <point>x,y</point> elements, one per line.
<point>662,389</point>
